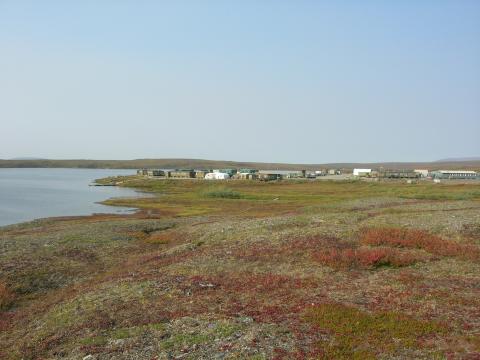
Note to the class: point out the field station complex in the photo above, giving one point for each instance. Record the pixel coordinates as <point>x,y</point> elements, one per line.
<point>338,174</point>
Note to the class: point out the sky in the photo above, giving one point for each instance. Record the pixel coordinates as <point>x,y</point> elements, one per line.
<point>263,80</point>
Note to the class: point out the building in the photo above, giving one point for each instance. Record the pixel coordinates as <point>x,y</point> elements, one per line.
<point>217,176</point>
<point>249,171</point>
<point>292,174</point>
<point>155,172</point>
<point>334,172</point>
<point>454,174</point>
<point>398,174</point>
<point>200,174</point>
<point>422,172</point>
<point>245,176</point>
<point>230,172</point>
<point>282,174</point>
<point>265,176</point>
<point>361,172</point>
<point>182,174</point>
<point>150,172</point>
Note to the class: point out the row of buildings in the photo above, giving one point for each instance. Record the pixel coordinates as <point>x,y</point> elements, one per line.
<point>268,175</point>
<point>416,174</point>
<point>241,174</point>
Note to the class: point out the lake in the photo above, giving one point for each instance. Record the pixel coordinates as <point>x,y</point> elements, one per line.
<point>28,194</point>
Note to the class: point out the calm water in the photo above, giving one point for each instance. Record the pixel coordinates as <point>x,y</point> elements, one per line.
<point>27,194</point>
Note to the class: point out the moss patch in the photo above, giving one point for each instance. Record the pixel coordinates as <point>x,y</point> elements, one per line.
<point>360,335</point>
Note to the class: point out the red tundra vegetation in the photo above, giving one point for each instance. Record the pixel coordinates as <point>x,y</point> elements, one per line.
<point>286,270</point>
<point>418,239</point>
<point>366,258</point>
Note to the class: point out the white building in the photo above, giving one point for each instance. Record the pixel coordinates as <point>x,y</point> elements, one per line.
<point>455,174</point>
<point>422,172</point>
<point>361,172</point>
<point>217,176</point>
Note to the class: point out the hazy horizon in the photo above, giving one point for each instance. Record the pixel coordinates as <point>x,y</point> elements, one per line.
<point>462,159</point>
<point>264,81</point>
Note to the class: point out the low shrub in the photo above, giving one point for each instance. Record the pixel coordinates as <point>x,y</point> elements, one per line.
<point>365,258</point>
<point>266,297</point>
<point>418,239</point>
<point>223,194</point>
<point>162,238</point>
<point>289,249</point>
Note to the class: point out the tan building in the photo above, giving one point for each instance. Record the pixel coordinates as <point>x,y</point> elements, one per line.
<point>245,176</point>
<point>200,174</point>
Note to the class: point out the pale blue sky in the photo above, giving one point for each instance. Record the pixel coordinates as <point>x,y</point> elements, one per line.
<point>286,81</point>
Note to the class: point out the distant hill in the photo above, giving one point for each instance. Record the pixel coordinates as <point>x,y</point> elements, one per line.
<point>216,164</point>
<point>473,158</point>
<point>26,158</point>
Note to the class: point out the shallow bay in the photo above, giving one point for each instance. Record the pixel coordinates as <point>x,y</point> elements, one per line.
<point>28,194</point>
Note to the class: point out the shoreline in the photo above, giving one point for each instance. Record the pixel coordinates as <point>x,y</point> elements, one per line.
<point>42,194</point>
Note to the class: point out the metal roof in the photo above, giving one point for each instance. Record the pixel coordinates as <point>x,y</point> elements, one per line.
<point>280,172</point>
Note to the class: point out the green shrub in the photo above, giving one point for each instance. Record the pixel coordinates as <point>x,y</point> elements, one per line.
<point>6,297</point>
<point>223,194</point>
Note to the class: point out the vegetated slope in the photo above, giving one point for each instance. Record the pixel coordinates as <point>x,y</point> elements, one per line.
<point>216,164</point>
<point>291,269</point>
